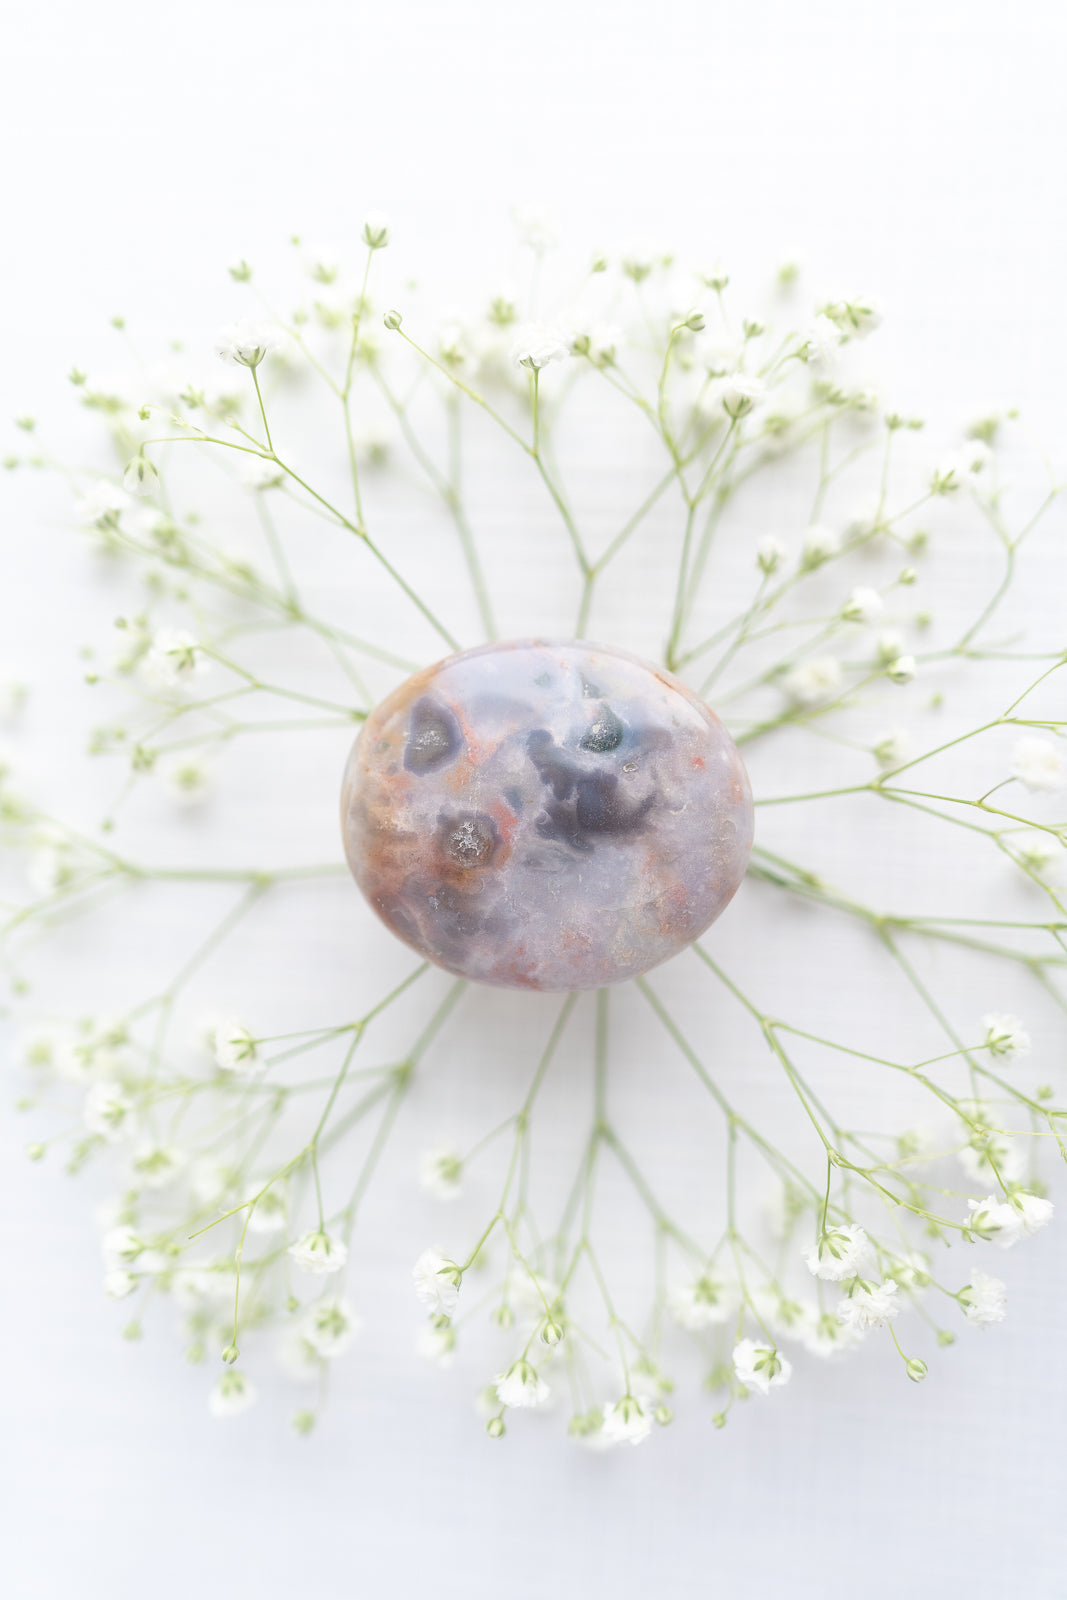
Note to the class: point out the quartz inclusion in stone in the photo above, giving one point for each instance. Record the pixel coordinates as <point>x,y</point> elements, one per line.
<point>545,815</point>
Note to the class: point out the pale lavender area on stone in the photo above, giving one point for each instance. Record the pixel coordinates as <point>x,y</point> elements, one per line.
<point>546,815</point>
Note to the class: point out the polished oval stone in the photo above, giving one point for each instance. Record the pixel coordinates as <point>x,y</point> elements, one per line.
<point>546,815</point>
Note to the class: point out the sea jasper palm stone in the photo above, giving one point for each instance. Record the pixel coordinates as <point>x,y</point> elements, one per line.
<point>546,815</point>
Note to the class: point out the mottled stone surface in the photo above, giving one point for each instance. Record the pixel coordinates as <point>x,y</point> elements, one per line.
<point>546,815</point>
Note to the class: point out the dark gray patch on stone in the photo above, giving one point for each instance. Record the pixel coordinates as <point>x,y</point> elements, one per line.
<point>434,738</point>
<point>469,839</point>
<point>605,734</point>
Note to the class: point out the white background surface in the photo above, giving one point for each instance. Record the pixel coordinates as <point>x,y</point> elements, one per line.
<point>915,150</point>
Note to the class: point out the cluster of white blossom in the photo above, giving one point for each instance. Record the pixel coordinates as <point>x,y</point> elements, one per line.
<point>230,1209</point>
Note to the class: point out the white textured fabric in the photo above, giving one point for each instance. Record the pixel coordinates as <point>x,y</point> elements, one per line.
<point>914,151</point>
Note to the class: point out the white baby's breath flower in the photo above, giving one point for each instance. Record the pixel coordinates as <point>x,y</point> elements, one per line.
<point>118,1284</point>
<point>522,1386</point>
<point>103,502</point>
<point>106,1111</point>
<point>701,1303</point>
<point>173,657</point>
<point>638,259</point>
<point>837,1253</point>
<point>827,1338</point>
<point>1036,852</point>
<point>626,1422</point>
<point>140,477</point>
<point>330,1326</point>
<point>863,605</point>
<point>193,1286</point>
<point>770,553</point>
<point>441,1173</point>
<point>990,1155</point>
<point>1005,1035</point>
<point>901,669</point>
<point>820,543</point>
<point>233,1393</point>
<point>38,1049</point>
<point>376,230</point>
<point>822,342</point>
<point>246,342</point>
<point>538,229</point>
<point>13,694</point>
<point>857,316</point>
<point>740,393</point>
<point>890,749</point>
<point>984,1300</point>
<point>257,473</point>
<point>438,1346</point>
<point>1008,1221</point>
<point>759,1366</point>
<point>813,681</point>
<point>869,1307</point>
<point>536,344</point>
<point>298,1357</point>
<point>437,1281</point>
<point>1039,765</point>
<point>187,777</point>
<point>271,1211</point>
<point>156,1165</point>
<point>319,1253</point>
<point>235,1050</point>
<point>974,456</point>
<point>121,1247</point>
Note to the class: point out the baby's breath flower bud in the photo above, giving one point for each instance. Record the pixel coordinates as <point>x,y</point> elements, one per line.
<point>944,1338</point>
<point>230,1354</point>
<point>907,576</point>
<point>717,278</point>
<point>503,1317</point>
<point>770,553</point>
<point>719,1419</point>
<point>77,377</point>
<point>599,263</point>
<point>26,423</point>
<point>916,1369</point>
<point>752,329</point>
<point>35,1152</point>
<point>376,230</point>
<point>392,320</point>
<point>551,1333</point>
<point>696,321</point>
<point>495,1428</point>
<point>663,1415</point>
<point>239,270</point>
<point>901,670</point>
<point>303,1422</point>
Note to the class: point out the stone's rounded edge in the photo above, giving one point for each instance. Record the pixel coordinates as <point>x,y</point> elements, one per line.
<point>575,977</point>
